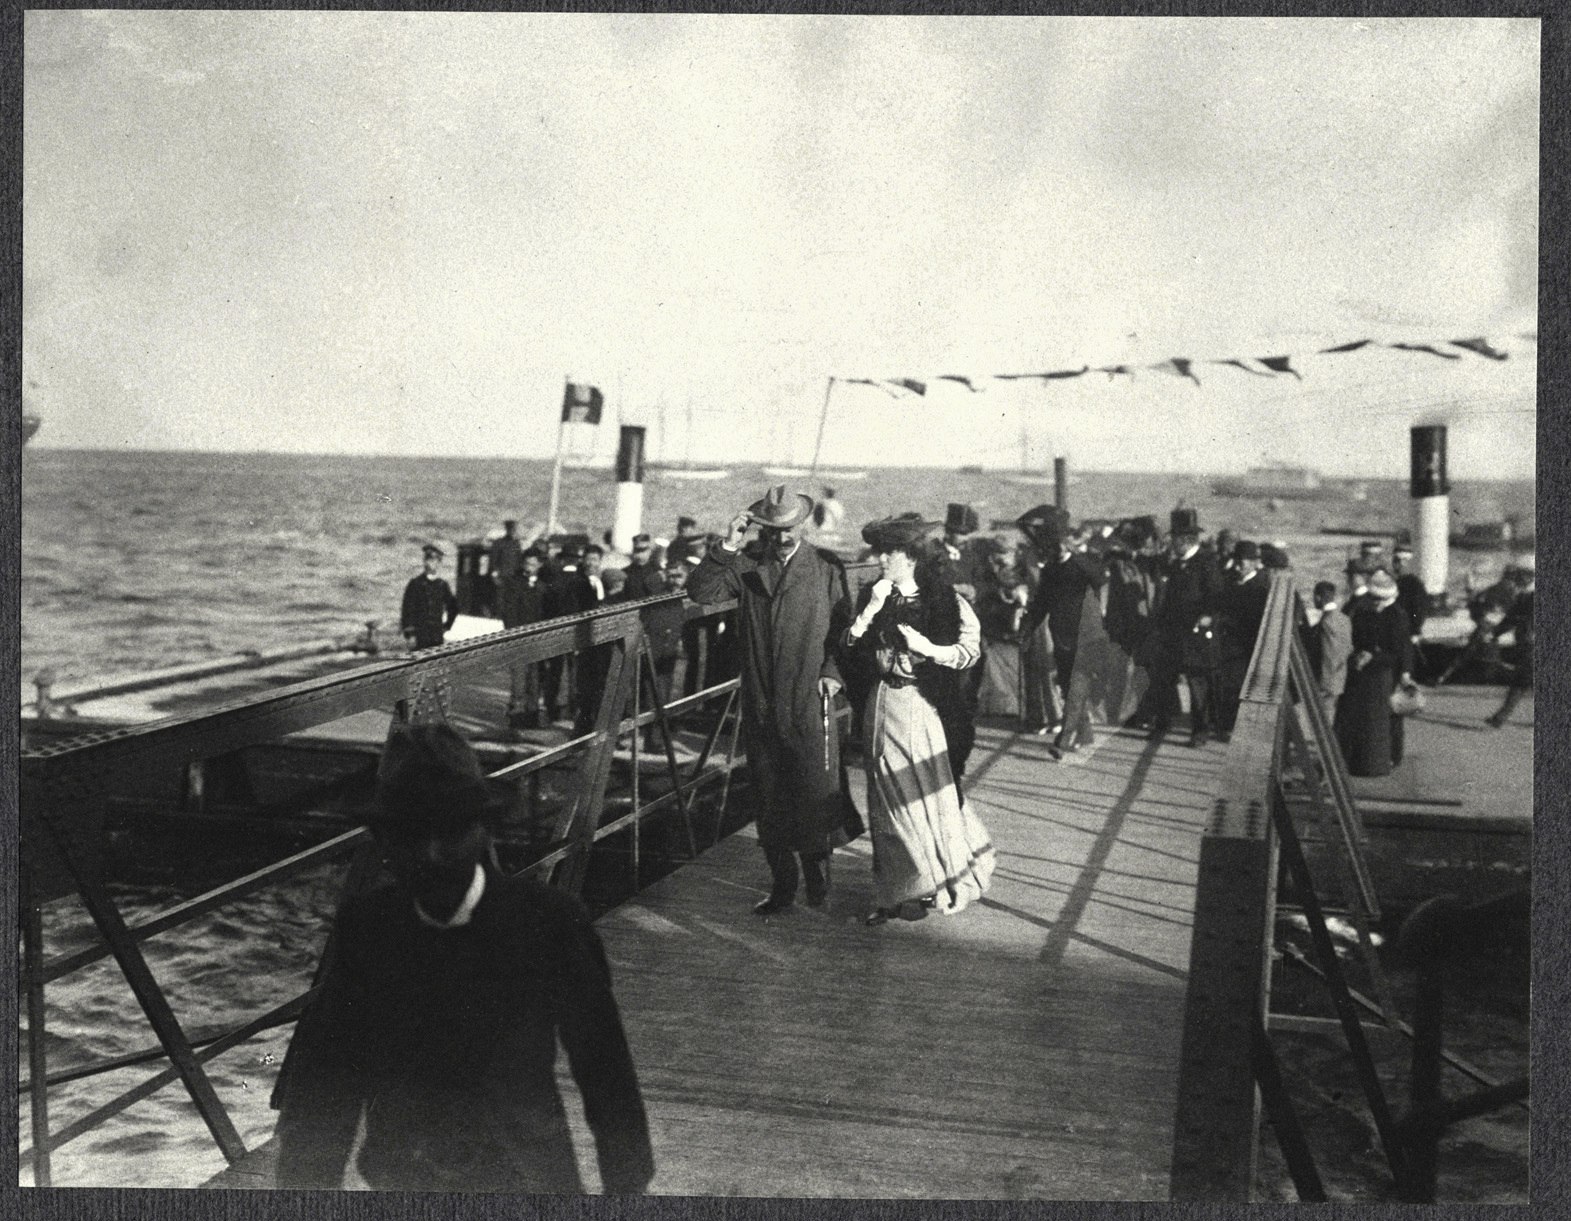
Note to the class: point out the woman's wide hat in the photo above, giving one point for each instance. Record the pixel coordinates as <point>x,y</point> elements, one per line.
<point>780,509</point>
<point>1045,525</point>
<point>892,533</point>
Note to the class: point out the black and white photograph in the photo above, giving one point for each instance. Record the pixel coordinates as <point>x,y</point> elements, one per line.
<point>820,606</point>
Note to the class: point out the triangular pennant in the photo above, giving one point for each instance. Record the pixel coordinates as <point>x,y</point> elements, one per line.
<point>908,383</point>
<point>964,381</point>
<point>1051,376</point>
<point>1279,364</point>
<point>1184,367</point>
<point>1113,371</point>
<point>1239,364</point>
<point>868,381</point>
<point>1481,346</point>
<point>1348,347</point>
<point>1424,347</point>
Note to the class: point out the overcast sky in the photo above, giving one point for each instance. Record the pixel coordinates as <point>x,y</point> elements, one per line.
<point>396,233</point>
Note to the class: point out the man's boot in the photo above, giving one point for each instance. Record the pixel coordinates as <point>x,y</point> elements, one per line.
<point>783,880</point>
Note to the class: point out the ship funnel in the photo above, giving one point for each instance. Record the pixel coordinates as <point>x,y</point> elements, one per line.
<point>1430,490</point>
<point>629,518</point>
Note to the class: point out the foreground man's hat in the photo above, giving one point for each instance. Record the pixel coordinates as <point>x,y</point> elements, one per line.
<point>429,780</point>
<point>780,509</point>
<point>892,533</point>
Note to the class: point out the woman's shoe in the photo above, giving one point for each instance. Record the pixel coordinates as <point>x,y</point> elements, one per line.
<point>876,917</point>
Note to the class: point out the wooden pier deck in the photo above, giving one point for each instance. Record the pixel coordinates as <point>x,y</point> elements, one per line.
<point>1027,1048</point>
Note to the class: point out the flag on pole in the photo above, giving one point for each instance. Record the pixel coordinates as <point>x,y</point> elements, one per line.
<point>581,404</point>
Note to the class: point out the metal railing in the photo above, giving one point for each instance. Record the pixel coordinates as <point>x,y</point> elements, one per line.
<point>1283,754</point>
<point>64,784</point>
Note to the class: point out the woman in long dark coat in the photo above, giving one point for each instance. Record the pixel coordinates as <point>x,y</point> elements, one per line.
<point>911,640</point>
<point>1370,734</point>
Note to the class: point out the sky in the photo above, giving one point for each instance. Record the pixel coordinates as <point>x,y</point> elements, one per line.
<point>400,232</point>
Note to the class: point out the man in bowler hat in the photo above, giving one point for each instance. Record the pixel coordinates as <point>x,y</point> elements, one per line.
<point>792,598</point>
<point>427,1059</point>
<point>1185,629</point>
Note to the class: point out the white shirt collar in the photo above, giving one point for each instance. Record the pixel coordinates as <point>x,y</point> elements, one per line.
<point>466,908</point>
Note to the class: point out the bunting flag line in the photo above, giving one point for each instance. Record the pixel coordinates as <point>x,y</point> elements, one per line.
<point>581,404</point>
<point>1178,366</point>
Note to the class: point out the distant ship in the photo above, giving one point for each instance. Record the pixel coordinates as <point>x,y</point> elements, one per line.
<point>30,425</point>
<point>690,472</point>
<point>1277,482</point>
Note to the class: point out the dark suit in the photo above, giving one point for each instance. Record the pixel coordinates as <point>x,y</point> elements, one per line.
<point>1243,606</point>
<point>446,1040</point>
<point>428,610</point>
<point>528,605</point>
<point>1191,589</point>
<point>1067,599</point>
<point>571,594</point>
<point>643,581</point>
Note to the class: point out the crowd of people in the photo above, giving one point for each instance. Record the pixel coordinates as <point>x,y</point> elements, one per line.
<point>426,1058</point>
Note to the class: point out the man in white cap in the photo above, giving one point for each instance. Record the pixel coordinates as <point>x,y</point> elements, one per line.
<point>789,594</point>
<point>429,607</point>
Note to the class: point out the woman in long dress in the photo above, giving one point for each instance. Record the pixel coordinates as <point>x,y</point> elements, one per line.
<point>910,640</point>
<point>1370,734</point>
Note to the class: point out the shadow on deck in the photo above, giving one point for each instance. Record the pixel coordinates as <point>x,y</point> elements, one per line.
<point>1026,1048</point>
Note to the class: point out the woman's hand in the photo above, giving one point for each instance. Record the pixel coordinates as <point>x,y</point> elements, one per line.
<point>881,590</point>
<point>915,641</point>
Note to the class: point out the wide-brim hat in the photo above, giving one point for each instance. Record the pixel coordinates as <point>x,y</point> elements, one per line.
<point>1382,584</point>
<point>429,780</point>
<point>902,530</point>
<point>780,509</point>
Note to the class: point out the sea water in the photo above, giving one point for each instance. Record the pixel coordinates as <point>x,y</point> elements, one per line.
<point>137,560</point>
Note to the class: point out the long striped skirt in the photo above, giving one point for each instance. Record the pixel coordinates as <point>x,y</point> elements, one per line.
<point>926,844</point>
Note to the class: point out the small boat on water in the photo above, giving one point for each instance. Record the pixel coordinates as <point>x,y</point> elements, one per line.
<point>786,472</point>
<point>691,472</point>
<point>1276,481</point>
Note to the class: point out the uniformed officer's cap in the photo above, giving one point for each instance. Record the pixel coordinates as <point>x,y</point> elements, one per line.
<point>433,549</point>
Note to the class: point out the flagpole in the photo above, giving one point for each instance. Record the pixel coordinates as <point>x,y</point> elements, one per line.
<point>823,419</point>
<point>556,469</point>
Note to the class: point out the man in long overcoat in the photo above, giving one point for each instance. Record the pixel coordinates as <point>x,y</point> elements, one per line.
<point>789,594</point>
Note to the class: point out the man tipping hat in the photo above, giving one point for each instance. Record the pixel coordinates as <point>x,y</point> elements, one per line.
<point>789,594</point>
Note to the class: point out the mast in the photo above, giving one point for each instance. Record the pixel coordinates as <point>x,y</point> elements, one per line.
<point>823,418</point>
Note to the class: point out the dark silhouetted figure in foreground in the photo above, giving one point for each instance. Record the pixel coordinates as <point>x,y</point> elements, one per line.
<point>426,1062</point>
